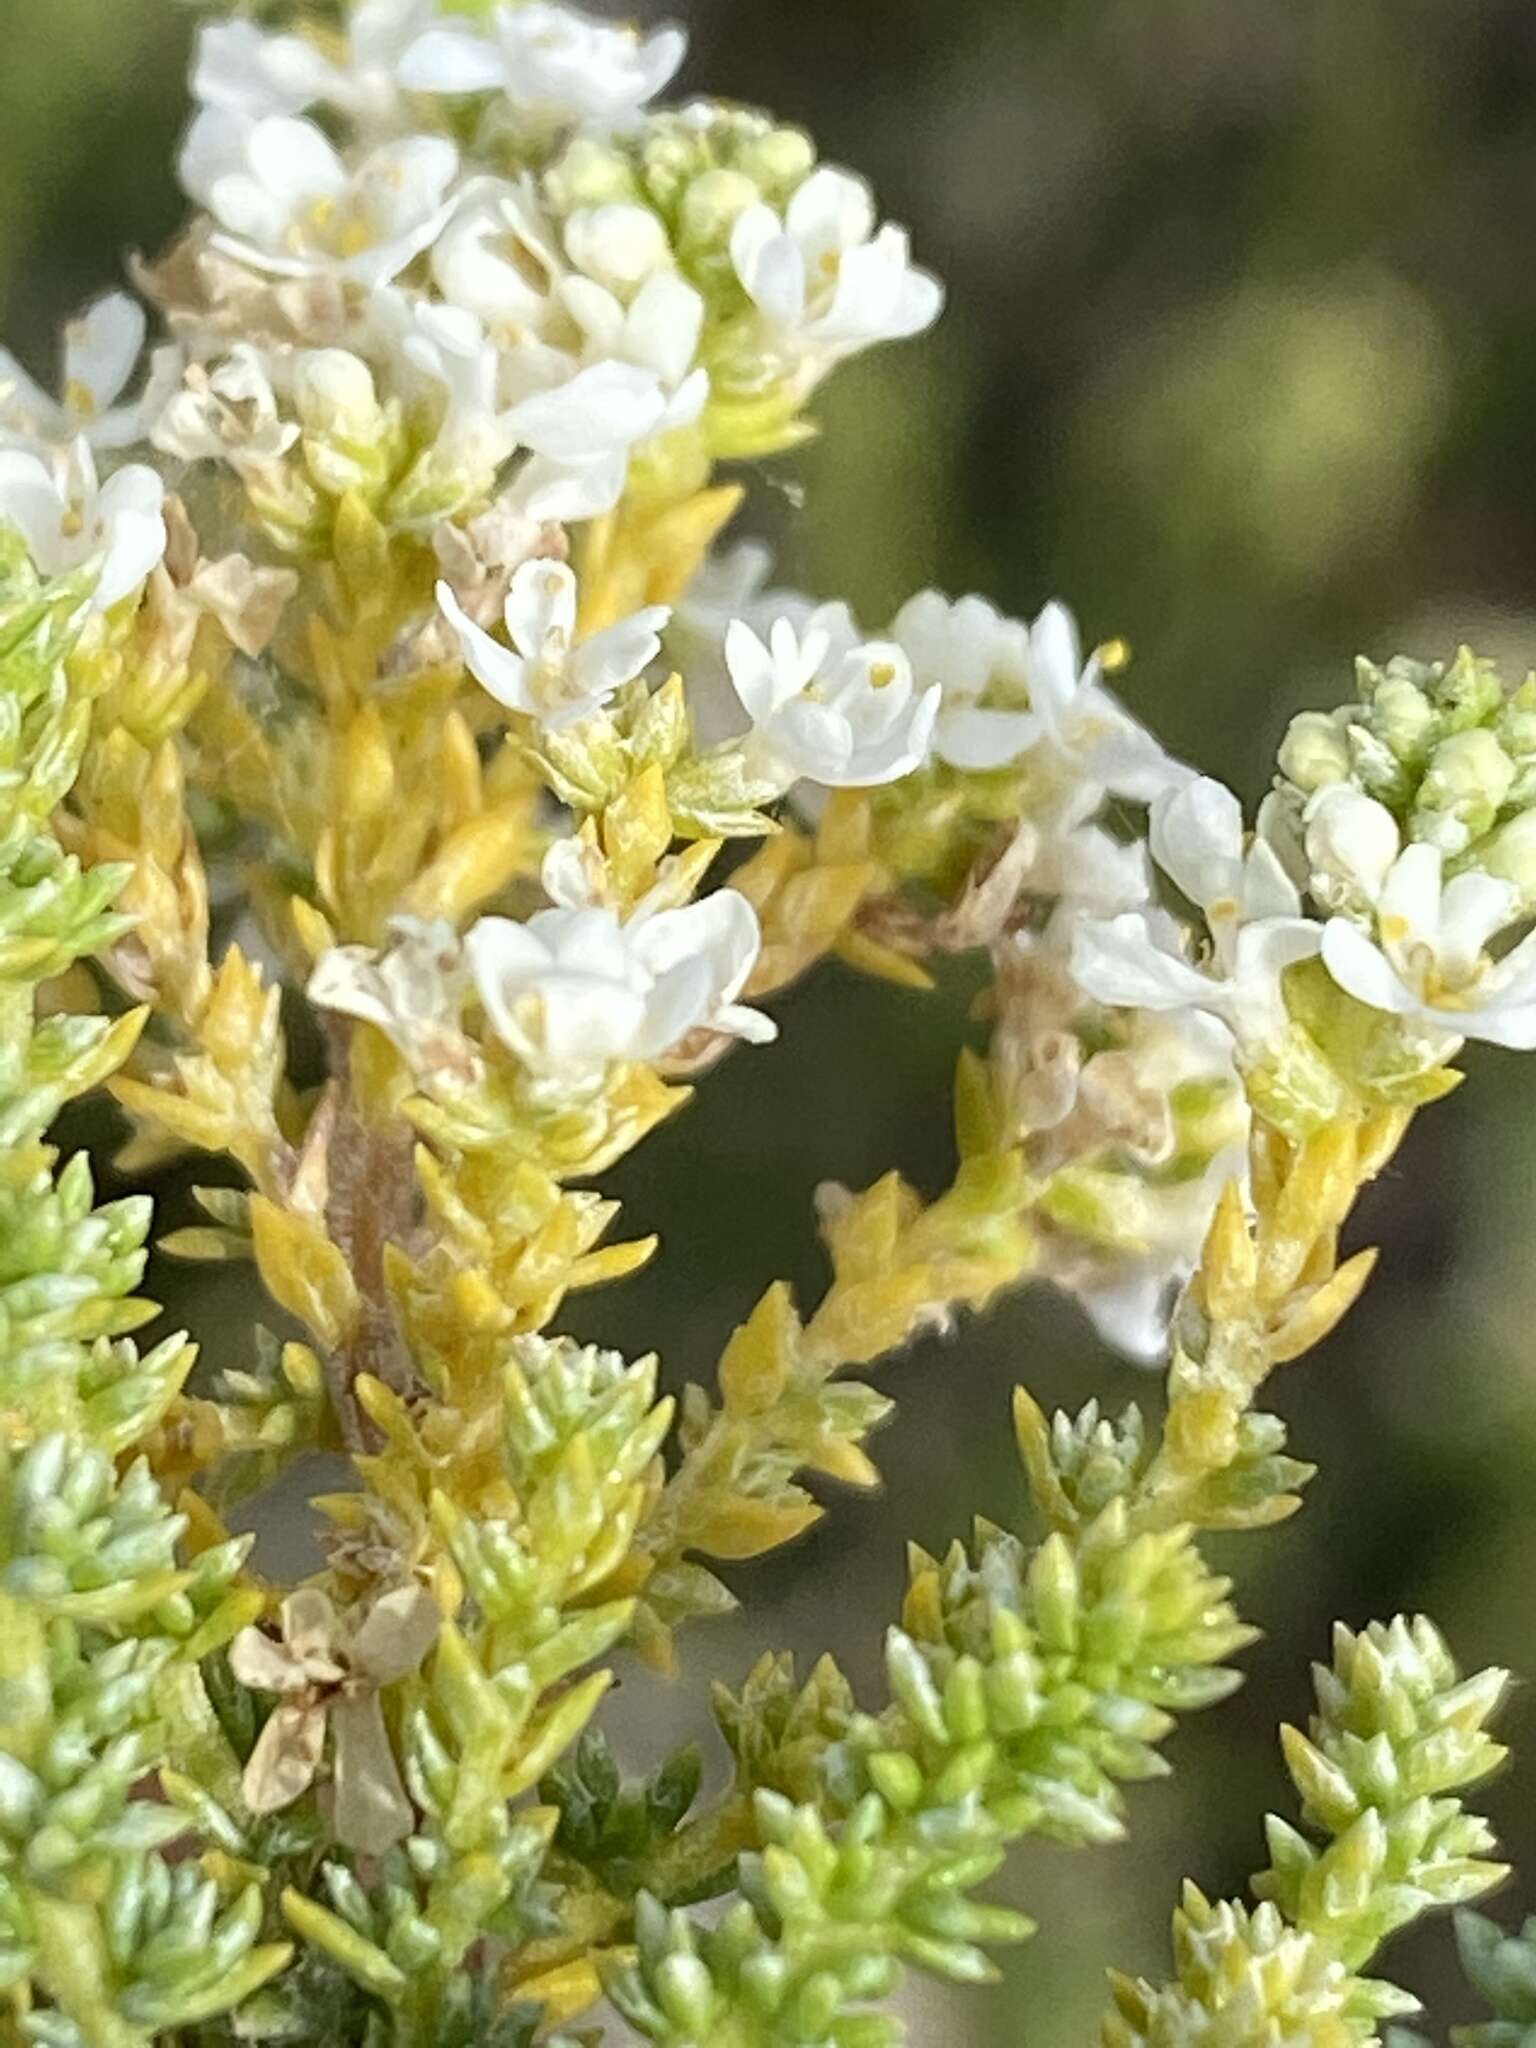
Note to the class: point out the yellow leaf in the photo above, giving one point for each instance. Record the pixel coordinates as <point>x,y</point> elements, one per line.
<point>739,1527</point>
<point>761,1354</point>
<point>304,1271</point>
<point>883,962</point>
<point>564,1992</point>
<point>204,1243</point>
<point>637,830</point>
<point>314,929</point>
<point>474,863</point>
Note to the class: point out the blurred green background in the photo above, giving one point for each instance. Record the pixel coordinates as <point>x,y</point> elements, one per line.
<point>1241,360</point>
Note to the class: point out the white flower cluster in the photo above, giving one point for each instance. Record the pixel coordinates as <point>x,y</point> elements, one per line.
<point>949,682</point>
<point>50,490</point>
<point>429,265</point>
<point>458,269</point>
<point>497,300</point>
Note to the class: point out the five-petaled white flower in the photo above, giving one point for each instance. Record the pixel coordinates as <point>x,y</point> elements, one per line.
<point>574,990</point>
<point>1429,962</point>
<point>846,717</point>
<point>67,518</point>
<point>244,70</point>
<point>825,278</point>
<point>636,379</point>
<point>555,67</point>
<point>414,993</point>
<point>582,433</point>
<point>99,353</point>
<point>1252,909</point>
<point>286,202</point>
<point>547,673</point>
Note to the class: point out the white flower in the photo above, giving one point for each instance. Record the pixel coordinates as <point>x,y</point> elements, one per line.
<point>573,990</point>
<point>100,351</point>
<point>445,367</point>
<point>494,258</point>
<point>1429,962</point>
<point>633,379</point>
<point>227,413</point>
<point>847,718</point>
<point>732,584</point>
<point>68,519</point>
<point>1084,722</point>
<point>822,275</point>
<point>286,202</point>
<point>414,993</point>
<point>971,651</point>
<point>241,69</point>
<point>1139,961</point>
<point>556,68</point>
<point>582,433</point>
<point>547,673</point>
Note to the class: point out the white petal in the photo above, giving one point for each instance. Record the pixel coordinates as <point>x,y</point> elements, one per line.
<point>1512,1025</point>
<point>1472,909</point>
<point>752,672</point>
<point>678,1004</point>
<point>1362,970</point>
<point>664,326</point>
<point>611,404</point>
<point>618,654</point>
<point>101,348</point>
<point>1116,961</point>
<point>833,209</point>
<point>1412,891</point>
<point>496,668</point>
<point>1131,1314</point>
<point>452,61</point>
<point>971,737</point>
<point>30,500</point>
<point>1197,840</point>
<point>558,492</point>
<point>1267,890</point>
<point>1056,661</point>
<point>294,160</point>
<point>540,607</point>
<point>1352,838</point>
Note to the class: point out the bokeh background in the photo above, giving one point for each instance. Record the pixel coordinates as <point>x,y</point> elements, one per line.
<point>1241,360</point>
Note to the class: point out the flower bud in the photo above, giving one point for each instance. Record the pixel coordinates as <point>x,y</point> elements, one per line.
<point>1511,855</point>
<point>590,173</point>
<point>1468,693</point>
<point>778,163</point>
<point>1402,717</point>
<point>1468,778</point>
<point>711,207</point>
<point>335,394</point>
<point>1351,841</point>
<point>345,428</point>
<point>619,244</point>
<point>1517,722</point>
<point>1314,752</point>
<point>672,155</point>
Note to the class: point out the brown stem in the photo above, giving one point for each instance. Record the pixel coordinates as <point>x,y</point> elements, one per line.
<point>371,1203</point>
